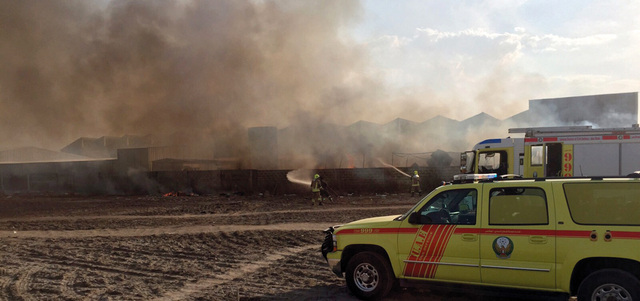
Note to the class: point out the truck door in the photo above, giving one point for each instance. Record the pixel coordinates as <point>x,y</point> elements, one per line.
<point>553,160</point>
<point>517,245</point>
<point>441,240</point>
<point>544,160</point>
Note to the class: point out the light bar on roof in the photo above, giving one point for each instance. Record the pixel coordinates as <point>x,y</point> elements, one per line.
<point>475,177</point>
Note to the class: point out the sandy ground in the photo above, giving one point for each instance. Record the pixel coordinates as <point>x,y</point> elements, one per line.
<point>180,248</point>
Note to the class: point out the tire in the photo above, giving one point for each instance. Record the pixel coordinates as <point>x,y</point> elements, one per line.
<point>369,276</point>
<point>609,284</point>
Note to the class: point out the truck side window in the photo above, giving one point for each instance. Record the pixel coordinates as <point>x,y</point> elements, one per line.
<point>518,206</point>
<point>597,204</point>
<point>451,207</point>
<point>536,155</point>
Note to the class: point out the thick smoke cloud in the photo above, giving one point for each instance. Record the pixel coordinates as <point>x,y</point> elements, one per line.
<point>190,70</point>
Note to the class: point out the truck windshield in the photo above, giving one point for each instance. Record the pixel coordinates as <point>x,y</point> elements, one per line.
<point>493,162</point>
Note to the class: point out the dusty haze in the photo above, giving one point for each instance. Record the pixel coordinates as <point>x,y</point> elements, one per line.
<point>200,72</point>
<point>189,70</point>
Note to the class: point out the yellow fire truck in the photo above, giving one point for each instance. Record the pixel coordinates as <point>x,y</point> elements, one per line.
<point>558,152</point>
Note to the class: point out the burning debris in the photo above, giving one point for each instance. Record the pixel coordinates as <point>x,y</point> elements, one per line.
<point>178,193</point>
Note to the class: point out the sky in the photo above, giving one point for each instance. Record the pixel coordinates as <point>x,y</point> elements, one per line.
<point>198,70</point>
<point>461,58</point>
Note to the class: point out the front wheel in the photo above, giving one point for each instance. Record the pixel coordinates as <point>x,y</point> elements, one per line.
<point>369,276</point>
<point>609,284</point>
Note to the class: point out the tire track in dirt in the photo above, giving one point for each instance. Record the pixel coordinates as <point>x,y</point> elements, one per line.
<point>87,265</point>
<point>141,249</point>
<point>234,273</point>
<point>18,288</point>
<point>170,230</point>
<point>66,284</point>
<point>5,284</point>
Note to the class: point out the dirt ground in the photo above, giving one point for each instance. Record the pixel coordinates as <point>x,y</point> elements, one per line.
<point>180,248</point>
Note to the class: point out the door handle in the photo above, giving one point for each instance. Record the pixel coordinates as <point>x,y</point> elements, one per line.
<point>535,239</point>
<point>469,237</point>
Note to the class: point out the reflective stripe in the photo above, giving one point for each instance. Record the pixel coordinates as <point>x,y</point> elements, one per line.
<point>429,245</point>
<point>442,263</point>
<point>484,231</point>
<point>514,268</point>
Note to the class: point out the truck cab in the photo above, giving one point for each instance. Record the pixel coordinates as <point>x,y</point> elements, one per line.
<point>491,156</point>
<point>547,152</point>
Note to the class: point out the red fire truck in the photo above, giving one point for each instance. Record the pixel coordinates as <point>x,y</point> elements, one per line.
<point>558,152</point>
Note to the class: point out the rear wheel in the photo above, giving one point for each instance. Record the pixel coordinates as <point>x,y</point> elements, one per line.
<point>369,276</point>
<point>609,285</point>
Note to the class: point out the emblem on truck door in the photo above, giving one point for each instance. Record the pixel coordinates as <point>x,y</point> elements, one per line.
<point>503,247</point>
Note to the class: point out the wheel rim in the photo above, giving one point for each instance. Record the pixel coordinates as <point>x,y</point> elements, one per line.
<point>611,292</point>
<point>366,277</point>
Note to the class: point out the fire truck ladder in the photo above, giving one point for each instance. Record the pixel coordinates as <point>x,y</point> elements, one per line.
<point>586,130</point>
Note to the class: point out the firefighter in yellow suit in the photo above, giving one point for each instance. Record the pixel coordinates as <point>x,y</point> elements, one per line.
<point>415,183</point>
<point>316,186</point>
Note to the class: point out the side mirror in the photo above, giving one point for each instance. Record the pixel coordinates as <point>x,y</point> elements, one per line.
<point>414,218</point>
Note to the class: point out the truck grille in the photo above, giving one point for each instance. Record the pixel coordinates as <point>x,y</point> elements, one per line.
<point>327,244</point>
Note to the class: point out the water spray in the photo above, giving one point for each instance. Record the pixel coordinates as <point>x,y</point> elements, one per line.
<point>299,176</point>
<point>389,165</point>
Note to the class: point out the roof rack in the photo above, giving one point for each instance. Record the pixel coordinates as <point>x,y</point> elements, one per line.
<point>492,177</point>
<point>574,131</point>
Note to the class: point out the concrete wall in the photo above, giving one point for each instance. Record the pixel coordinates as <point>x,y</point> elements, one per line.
<point>274,182</point>
<point>101,177</point>
<point>87,177</point>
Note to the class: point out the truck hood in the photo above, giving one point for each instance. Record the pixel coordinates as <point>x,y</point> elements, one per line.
<point>379,221</point>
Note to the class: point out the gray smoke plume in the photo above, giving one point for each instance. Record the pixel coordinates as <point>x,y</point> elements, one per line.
<point>193,71</point>
<point>200,72</point>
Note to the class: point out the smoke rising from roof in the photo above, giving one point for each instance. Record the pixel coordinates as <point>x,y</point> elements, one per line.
<point>190,70</point>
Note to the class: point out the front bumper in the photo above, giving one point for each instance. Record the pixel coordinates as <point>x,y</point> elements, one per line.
<point>329,252</point>
<point>335,266</point>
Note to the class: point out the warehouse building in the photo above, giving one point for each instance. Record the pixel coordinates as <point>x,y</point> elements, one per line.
<point>111,164</point>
